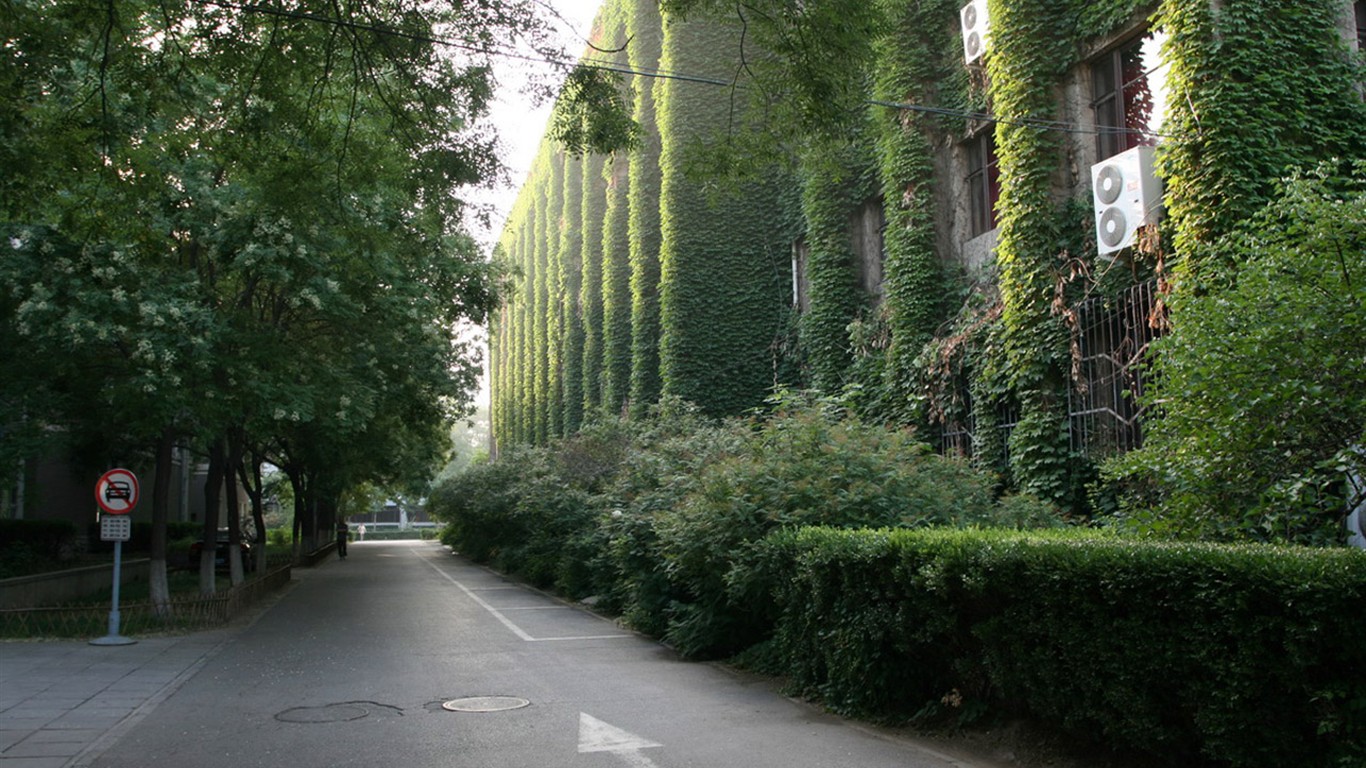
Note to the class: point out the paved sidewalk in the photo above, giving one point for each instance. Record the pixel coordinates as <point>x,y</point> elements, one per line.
<point>62,703</point>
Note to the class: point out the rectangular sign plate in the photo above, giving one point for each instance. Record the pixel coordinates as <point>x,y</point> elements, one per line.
<point>115,528</point>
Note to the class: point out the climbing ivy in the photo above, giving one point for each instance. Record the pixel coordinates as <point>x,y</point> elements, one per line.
<point>724,280</point>
<point>910,61</point>
<point>555,305</point>
<point>837,177</point>
<point>1257,88</point>
<point>645,30</point>
<point>540,299</point>
<point>1032,46</point>
<point>570,291</point>
<point>1268,87</point>
<point>616,264</point>
<point>594,209</point>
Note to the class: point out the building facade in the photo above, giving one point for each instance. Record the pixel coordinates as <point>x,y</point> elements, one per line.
<point>983,255</point>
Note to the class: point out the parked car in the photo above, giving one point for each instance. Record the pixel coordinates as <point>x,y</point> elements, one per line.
<point>220,553</point>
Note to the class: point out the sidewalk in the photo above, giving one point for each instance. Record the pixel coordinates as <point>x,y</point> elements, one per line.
<point>62,703</point>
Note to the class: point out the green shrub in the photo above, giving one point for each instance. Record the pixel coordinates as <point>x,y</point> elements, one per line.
<point>662,518</point>
<point>27,546</point>
<point>1259,382</point>
<point>667,453</point>
<point>1239,656</point>
<point>801,466</point>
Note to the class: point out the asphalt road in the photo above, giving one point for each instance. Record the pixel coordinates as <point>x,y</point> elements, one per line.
<point>376,660</point>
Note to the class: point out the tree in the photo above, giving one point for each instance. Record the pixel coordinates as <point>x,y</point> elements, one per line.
<point>242,225</point>
<point>1262,415</point>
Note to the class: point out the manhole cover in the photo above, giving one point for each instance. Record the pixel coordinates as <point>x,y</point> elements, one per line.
<point>485,704</point>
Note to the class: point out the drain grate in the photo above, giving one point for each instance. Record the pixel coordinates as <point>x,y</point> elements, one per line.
<point>485,704</point>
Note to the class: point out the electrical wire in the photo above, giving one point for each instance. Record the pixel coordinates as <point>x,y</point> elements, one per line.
<point>661,74</point>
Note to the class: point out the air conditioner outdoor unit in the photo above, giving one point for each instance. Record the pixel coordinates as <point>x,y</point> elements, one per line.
<point>974,27</point>
<point>1126,194</point>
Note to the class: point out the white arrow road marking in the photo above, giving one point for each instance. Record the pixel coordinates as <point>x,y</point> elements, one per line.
<point>597,736</point>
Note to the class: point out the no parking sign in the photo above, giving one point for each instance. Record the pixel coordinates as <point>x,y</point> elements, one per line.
<point>117,491</point>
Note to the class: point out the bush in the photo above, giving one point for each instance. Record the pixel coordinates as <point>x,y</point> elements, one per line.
<point>1259,383</point>
<point>34,545</point>
<point>799,466</point>
<point>663,519</point>
<point>1240,656</point>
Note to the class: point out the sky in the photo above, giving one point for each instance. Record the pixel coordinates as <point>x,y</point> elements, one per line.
<point>519,122</point>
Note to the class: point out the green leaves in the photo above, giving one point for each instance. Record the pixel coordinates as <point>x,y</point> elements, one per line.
<point>246,218</point>
<point>592,116</point>
<point>1258,390</point>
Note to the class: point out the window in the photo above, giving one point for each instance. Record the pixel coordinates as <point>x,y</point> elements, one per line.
<point>867,225</point>
<point>984,181</point>
<point>1128,94</point>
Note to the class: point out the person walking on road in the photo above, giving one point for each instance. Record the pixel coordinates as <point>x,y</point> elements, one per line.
<point>343,533</point>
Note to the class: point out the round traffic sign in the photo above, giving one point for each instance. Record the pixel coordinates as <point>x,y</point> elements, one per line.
<point>117,491</point>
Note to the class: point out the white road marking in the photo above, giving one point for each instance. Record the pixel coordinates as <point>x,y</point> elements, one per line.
<point>597,736</point>
<point>497,614</point>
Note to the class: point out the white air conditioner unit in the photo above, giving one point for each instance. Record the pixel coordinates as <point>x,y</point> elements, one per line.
<point>974,27</point>
<point>1127,194</point>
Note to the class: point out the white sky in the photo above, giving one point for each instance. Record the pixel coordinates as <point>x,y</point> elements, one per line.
<point>519,122</point>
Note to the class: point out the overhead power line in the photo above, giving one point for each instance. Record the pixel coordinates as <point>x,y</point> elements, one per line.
<point>660,74</point>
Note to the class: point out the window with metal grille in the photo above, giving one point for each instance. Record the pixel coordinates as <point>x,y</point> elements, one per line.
<point>1110,346</point>
<point>1111,338</point>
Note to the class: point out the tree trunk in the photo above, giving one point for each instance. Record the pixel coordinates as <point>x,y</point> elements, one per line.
<point>300,506</point>
<point>232,460</point>
<point>256,491</point>
<point>213,490</point>
<point>161,490</point>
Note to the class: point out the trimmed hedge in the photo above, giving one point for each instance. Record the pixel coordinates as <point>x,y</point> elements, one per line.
<point>1240,656</point>
<point>26,544</point>
<point>46,537</point>
<point>140,538</point>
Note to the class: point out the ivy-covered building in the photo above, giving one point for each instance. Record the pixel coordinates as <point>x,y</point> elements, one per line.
<point>983,254</point>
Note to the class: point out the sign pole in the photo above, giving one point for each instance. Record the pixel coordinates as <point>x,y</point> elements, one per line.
<point>117,494</point>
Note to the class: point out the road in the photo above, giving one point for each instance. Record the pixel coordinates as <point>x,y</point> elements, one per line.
<point>405,654</point>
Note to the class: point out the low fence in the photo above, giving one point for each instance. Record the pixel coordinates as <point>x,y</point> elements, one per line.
<point>141,617</point>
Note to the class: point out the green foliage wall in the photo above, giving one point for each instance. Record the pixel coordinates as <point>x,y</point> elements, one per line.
<point>554,307</point>
<point>616,259</point>
<point>1034,43</point>
<point>592,247</point>
<point>616,290</point>
<point>837,177</point>
<point>1268,86</point>
<point>910,60</point>
<point>539,303</point>
<point>646,32</point>
<point>594,210</point>
<point>724,248</point>
<point>571,295</point>
<point>725,263</point>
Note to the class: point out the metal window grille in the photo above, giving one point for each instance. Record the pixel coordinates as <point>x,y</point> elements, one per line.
<point>1110,345</point>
